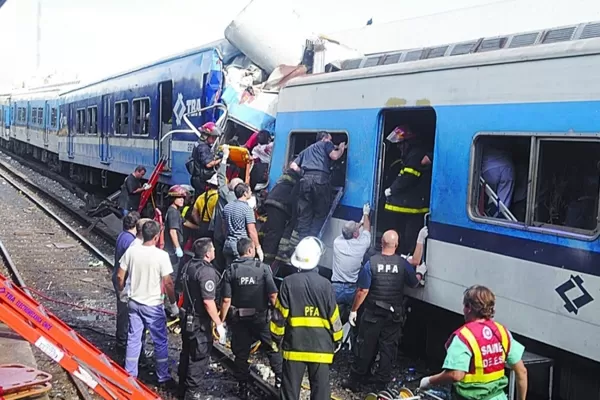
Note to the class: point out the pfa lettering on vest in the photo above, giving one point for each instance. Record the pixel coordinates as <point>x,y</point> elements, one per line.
<point>387,268</point>
<point>247,280</point>
<point>311,311</point>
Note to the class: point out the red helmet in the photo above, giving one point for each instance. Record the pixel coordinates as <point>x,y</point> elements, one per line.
<point>177,191</point>
<point>210,129</point>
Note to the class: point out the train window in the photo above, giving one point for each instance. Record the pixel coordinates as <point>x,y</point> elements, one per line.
<point>568,184</point>
<point>141,116</point>
<point>34,115</point>
<point>41,116</point>
<point>537,181</point>
<point>80,121</point>
<point>121,118</point>
<point>502,177</point>
<point>53,117</point>
<point>299,141</point>
<point>92,117</point>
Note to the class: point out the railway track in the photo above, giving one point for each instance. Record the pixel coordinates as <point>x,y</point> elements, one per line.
<point>34,250</point>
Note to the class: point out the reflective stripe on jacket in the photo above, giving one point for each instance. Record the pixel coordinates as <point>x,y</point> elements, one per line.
<point>307,317</point>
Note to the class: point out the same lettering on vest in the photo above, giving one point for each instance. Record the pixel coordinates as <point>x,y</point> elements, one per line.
<point>387,268</point>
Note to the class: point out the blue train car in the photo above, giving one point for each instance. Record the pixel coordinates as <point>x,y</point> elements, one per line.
<point>35,124</point>
<point>541,102</point>
<point>118,123</point>
<point>5,117</point>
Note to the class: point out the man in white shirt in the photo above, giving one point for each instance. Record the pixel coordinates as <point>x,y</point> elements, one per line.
<point>148,269</point>
<point>348,251</point>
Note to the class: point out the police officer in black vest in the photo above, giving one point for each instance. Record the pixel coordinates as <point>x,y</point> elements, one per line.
<point>381,282</point>
<point>200,281</point>
<point>248,287</point>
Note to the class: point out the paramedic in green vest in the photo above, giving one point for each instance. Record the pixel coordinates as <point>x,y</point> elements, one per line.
<point>407,199</point>
<point>477,352</point>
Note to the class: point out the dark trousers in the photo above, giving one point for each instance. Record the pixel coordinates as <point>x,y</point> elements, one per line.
<point>219,260</point>
<point>318,376</point>
<point>408,227</point>
<point>377,330</point>
<point>314,203</point>
<point>273,231</point>
<point>195,355</point>
<point>122,320</point>
<point>244,333</point>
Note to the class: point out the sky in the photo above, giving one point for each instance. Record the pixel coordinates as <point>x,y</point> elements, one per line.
<point>95,38</point>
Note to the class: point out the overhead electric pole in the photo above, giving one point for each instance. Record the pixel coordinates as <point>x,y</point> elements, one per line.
<point>38,36</point>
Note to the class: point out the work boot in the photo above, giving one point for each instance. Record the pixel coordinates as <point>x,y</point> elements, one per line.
<point>169,385</point>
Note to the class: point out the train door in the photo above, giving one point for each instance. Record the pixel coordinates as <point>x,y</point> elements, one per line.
<point>105,130</point>
<point>71,133</point>
<point>165,122</point>
<point>46,124</point>
<point>407,140</point>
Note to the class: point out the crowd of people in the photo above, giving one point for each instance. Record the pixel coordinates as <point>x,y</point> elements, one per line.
<point>224,289</point>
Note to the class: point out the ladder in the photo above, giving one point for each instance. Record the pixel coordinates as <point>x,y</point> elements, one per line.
<point>66,347</point>
<point>494,199</point>
<point>162,162</point>
<point>339,192</point>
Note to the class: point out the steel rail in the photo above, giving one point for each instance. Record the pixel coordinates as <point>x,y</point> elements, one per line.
<point>17,279</point>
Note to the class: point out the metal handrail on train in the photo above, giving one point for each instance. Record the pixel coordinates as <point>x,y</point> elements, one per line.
<point>220,122</point>
<point>496,200</point>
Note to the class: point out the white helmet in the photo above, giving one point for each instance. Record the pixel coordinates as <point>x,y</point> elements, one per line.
<point>308,253</point>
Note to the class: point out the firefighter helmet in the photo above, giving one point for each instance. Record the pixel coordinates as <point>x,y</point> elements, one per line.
<point>308,253</point>
<point>210,129</point>
<point>177,191</point>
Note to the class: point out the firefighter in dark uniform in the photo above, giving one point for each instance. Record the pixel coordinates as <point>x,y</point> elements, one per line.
<point>381,287</point>
<point>203,160</point>
<point>307,319</point>
<point>315,186</point>
<point>200,280</point>
<point>279,204</point>
<point>248,287</point>
<point>407,200</point>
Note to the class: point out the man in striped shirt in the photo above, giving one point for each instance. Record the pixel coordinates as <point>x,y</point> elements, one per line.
<point>240,222</point>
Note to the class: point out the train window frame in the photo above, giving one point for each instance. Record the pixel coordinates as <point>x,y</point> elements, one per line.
<point>141,101</point>
<point>33,115</point>
<point>291,137</point>
<point>127,125</point>
<point>92,123</point>
<point>54,117</point>
<point>80,121</point>
<point>41,116</point>
<point>529,224</point>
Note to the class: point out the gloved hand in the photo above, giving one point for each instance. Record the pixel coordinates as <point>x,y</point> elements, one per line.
<point>147,186</point>
<point>173,310</point>
<point>425,383</point>
<point>366,209</point>
<point>178,252</point>
<point>421,269</point>
<point>260,253</point>
<point>388,192</point>
<point>423,233</point>
<point>222,334</point>
<point>225,152</point>
<point>352,318</point>
<point>338,346</point>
